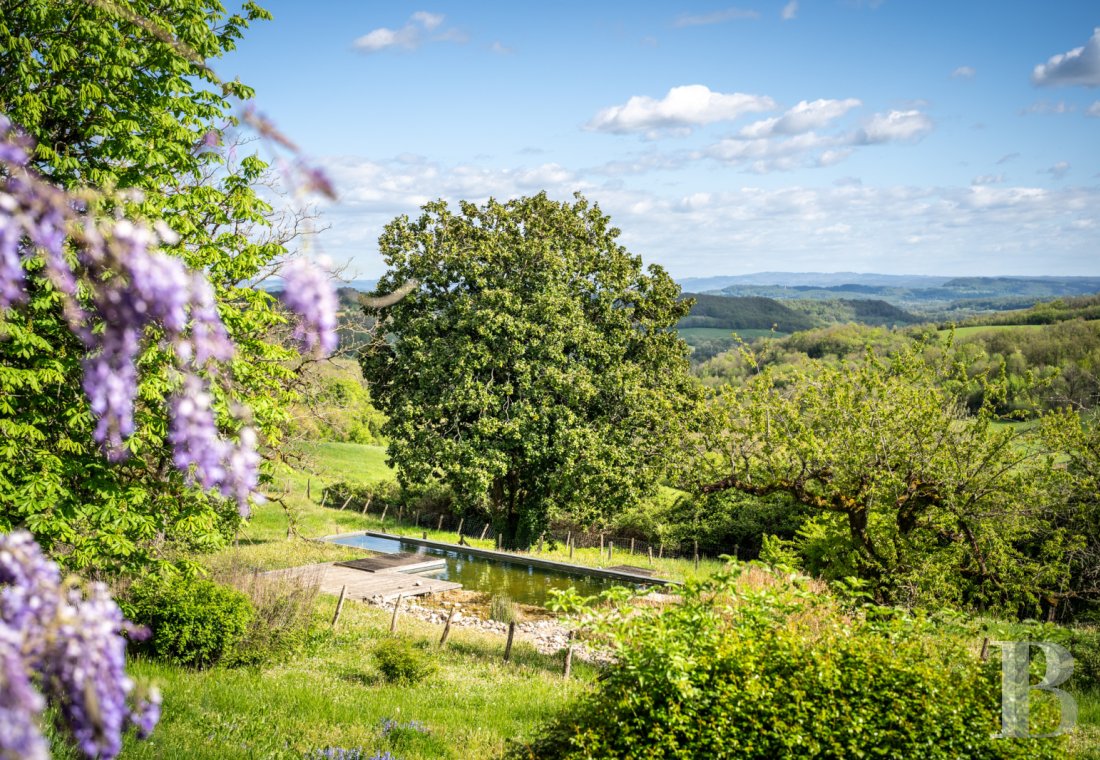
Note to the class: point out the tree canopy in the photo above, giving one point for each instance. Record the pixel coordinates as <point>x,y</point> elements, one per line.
<point>533,368</point>
<point>117,97</point>
<point>928,503</point>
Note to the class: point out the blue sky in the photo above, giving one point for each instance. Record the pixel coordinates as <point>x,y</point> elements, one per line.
<point>807,135</point>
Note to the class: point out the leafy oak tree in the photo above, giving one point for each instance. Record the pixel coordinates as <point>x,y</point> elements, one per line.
<point>117,97</point>
<point>533,368</point>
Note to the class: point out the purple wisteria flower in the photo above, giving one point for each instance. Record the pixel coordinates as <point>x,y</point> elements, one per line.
<point>134,288</point>
<point>72,638</point>
<point>308,291</point>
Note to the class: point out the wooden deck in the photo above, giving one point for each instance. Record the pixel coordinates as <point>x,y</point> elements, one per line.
<point>402,562</point>
<point>386,584</point>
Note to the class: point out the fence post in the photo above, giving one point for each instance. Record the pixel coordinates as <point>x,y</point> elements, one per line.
<point>460,522</point>
<point>650,555</point>
<point>309,488</point>
<point>540,542</point>
<point>696,554</point>
<point>417,524</point>
<point>610,550</point>
<point>346,501</point>
<point>508,646</point>
<point>568,656</point>
<point>324,497</point>
<point>440,526</point>
<point>632,545</point>
<point>339,605</point>
<point>571,550</point>
<point>384,509</point>
<point>484,531</point>
<point>601,544</point>
<point>393,620</point>
<point>447,627</point>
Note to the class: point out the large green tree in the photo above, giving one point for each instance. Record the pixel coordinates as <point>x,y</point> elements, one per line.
<point>118,97</point>
<point>928,503</point>
<point>534,368</point>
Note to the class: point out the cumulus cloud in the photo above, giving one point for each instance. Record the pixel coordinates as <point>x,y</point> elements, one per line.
<point>849,226</point>
<point>799,137</point>
<point>1094,109</point>
<point>1080,66</point>
<point>805,116</point>
<point>717,17</point>
<point>895,126</point>
<point>790,10</point>
<point>963,72</point>
<point>680,110</point>
<point>410,36</point>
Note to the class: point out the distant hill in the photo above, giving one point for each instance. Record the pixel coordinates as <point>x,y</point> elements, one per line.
<point>874,312</point>
<point>750,313</point>
<point>933,298</point>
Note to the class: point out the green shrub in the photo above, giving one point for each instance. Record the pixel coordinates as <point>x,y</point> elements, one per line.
<point>193,621</point>
<point>772,671</point>
<point>400,662</point>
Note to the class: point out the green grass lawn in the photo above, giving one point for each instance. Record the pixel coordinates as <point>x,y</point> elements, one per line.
<point>965,332</point>
<point>332,695</point>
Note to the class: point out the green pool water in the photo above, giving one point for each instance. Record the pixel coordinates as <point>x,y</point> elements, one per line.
<point>521,582</point>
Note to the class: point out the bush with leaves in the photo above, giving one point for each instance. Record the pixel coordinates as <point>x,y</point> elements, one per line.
<point>193,621</point>
<point>748,667</point>
<point>400,662</point>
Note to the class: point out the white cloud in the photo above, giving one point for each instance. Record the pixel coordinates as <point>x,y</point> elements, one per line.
<point>805,116</point>
<point>1094,109</point>
<point>1080,66</point>
<point>681,109</point>
<point>1042,106</point>
<point>895,126</point>
<point>717,17</point>
<point>500,48</point>
<point>849,226</point>
<point>790,10</point>
<point>988,179</point>
<point>1059,170</point>
<point>964,72</point>
<point>408,37</point>
<point>1007,157</point>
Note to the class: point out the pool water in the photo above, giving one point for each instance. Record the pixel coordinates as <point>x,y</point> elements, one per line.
<point>521,582</point>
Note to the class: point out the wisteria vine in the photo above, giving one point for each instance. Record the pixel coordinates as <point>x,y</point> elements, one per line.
<point>62,643</point>
<point>132,286</point>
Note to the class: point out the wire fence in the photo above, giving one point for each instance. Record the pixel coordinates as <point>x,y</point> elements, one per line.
<point>385,502</point>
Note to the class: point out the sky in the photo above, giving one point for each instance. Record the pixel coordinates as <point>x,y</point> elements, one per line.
<point>901,137</point>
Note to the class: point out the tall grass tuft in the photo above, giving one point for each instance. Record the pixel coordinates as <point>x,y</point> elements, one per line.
<point>284,613</point>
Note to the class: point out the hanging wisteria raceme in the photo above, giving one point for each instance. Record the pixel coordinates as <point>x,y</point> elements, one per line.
<point>308,292</point>
<point>72,639</point>
<point>133,287</point>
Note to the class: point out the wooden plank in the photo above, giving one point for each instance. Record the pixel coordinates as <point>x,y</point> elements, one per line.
<point>403,562</point>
